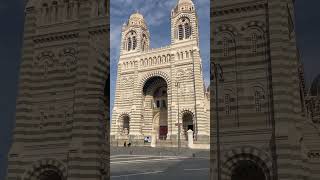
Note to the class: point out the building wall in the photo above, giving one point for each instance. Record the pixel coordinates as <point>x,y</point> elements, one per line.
<point>60,122</point>
<point>267,63</point>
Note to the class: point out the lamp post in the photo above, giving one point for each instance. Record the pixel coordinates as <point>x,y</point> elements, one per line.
<point>218,76</point>
<point>179,142</point>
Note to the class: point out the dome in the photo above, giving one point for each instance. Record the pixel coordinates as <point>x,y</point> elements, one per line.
<point>183,6</point>
<point>185,2</point>
<point>31,3</point>
<point>136,19</point>
<point>315,87</point>
<point>136,16</point>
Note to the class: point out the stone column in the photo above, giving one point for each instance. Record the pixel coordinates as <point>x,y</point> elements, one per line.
<point>190,138</point>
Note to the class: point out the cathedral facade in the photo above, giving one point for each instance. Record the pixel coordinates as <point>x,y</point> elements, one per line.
<point>160,89</point>
<point>61,113</point>
<point>263,131</point>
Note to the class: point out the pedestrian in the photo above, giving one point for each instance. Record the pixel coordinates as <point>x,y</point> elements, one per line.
<point>129,144</point>
<point>125,144</point>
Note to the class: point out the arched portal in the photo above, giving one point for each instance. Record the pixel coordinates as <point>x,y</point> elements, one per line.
<point>247,170</point>
<point>49,175</point>
<point>187,123</point>
<point>156,106</point>
<point>125,124</point>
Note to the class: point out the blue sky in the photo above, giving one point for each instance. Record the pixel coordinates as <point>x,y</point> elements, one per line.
<point>157,17</point>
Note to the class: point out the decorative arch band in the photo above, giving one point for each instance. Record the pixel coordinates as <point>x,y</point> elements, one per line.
<point>186,111</point>
<point>155,74</point>
<point>255,24</point>
<point>43,165</point>
<point>232,157</point>
<point>226,28</point>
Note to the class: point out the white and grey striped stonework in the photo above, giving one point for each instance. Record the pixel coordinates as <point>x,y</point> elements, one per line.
<point>61,123</point>
<point>260,108</point>
<point>180,62</point>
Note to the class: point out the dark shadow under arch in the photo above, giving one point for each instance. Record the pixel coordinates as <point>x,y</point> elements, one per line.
<point>247,170</point>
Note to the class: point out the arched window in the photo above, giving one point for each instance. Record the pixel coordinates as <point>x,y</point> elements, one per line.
<point>129,44</point>
<point>184,28</point>
<point>55,11</point>
<point>131,40</point>
<point>143,46</point>
<point>227,104</point>
<point>180,32</point>
<point>46,13</point>
<point>68,9</point>
<point>254,43</point>
<point>225,47</point>
<point>187,30</point>
<point>257,98</point>
<point>134,44</point>
<point>144,42</point>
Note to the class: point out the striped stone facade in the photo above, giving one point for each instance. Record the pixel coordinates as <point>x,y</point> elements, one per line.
<point>61,120</point>
<point>176,68</point>
<point>260,109</point>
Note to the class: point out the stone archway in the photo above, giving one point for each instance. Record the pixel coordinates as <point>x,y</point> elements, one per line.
<point>246,157</point>
<point>46,169</point>
<point>124,124</point>
<point>187,123</point>
<point>155,106</point>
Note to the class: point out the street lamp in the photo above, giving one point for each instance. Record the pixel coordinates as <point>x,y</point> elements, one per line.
<point>218,77</point>
<point>179,142</point>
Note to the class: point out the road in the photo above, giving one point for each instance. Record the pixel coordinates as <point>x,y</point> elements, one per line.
<point>139,166</point>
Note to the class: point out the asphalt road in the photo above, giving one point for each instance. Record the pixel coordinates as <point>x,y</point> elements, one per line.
<point>129,166</point>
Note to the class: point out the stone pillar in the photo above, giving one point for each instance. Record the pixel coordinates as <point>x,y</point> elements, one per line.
<point>153,140</point>
<point>190,138</point>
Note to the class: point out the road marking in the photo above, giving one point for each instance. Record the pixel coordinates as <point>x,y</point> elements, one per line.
<point>129,155</point>
<point>137,174</point>
<point>147,160</point>
<point>200,169</point>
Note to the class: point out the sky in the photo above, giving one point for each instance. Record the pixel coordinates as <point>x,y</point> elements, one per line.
<point>11,31</point>
<point>157,16</point>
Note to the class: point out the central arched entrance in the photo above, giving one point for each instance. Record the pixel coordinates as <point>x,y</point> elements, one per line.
<point>49,175</point>
<point>247,170</point>
<point>155,103</point>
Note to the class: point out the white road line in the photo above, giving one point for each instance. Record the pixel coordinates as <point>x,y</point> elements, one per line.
<point>148,160</point>
<point>129,155</point>
<point>137,174</point>
<point>200,169</point>
<point>131,158</point>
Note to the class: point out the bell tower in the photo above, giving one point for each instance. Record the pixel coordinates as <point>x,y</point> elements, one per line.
<point>184,23</point>
<point>135,36</point>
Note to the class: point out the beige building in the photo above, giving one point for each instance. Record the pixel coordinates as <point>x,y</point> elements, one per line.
<point>158,88</point>
<point>264,134</point>
<point>61,119</point>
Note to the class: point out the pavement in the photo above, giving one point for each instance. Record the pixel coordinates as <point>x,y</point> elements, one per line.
<point>139,163</point>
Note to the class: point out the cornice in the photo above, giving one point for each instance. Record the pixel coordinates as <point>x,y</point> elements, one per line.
<point>56,37</point>
<point>239,8</point>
